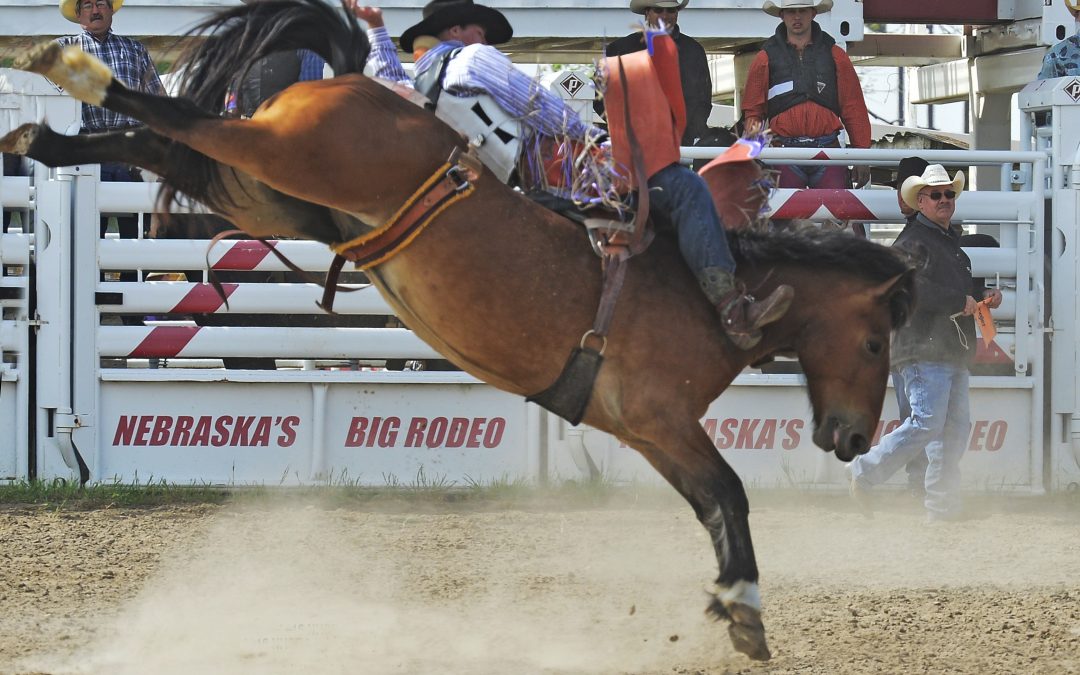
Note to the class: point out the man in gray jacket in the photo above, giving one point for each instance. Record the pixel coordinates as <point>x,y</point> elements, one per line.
<point>932,352</point>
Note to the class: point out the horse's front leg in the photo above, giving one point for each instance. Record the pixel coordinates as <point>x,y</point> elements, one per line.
<point>693,467</point>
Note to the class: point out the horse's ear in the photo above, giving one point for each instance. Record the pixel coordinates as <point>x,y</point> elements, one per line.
<point>899,293</point>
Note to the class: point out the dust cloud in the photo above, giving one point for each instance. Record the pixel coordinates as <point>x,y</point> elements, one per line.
<point>303,587</point>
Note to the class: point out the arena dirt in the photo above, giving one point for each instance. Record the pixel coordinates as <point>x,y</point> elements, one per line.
<point>304,588</point>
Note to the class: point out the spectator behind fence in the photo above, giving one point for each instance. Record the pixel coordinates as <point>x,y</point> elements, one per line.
<point>693,64</point>
<point>804,87</point>
<point>1063,59</point>
<point>131,65</point>
<point>932,351</point>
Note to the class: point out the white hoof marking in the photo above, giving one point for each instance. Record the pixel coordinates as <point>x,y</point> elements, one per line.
<point>741,593</point>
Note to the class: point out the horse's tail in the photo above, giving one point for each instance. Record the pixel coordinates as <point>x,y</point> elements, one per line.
<point>231,42</point>
<point>238,38</point>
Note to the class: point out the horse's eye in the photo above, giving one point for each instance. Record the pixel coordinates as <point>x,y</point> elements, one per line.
<point>874,346</point>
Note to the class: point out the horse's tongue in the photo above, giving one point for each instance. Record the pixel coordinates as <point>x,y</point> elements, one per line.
<point>836,437</point>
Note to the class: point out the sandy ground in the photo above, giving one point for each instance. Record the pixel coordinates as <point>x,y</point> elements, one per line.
<point>303,588</point>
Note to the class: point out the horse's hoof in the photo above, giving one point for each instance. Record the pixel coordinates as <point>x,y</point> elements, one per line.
<point>18,142</point>
<point>748,633</point>
<point>81,75</point>
<point>41,58</point>
<point>746,630</point>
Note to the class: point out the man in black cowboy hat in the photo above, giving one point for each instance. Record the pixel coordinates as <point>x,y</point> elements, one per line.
<point>693,64</point>
<point>443,21</point>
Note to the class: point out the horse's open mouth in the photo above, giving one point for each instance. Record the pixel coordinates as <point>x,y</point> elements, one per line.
<point>841,438</point>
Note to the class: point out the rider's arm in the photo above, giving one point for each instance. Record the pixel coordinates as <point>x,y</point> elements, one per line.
<point>482,68</point>
<point>383,59</point>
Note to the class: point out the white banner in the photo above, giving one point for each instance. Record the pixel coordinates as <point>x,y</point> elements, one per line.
<point>775,449</point>
<point>298,433</point>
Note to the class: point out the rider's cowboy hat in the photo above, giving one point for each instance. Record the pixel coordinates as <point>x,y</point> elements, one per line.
<point>442,14</point>
<point>1074,6</point>
<point>934,175</point>
<point>639,6</point>
<point>70,8</point>
<point>819,6</point>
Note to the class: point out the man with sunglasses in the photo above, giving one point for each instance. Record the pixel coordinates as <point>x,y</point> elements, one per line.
<point>932,351</point>
<point>693,65</point>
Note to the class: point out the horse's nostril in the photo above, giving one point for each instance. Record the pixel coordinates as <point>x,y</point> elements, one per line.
<point>858,444</point>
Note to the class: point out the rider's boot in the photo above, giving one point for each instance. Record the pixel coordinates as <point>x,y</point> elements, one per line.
<point>741,315</point>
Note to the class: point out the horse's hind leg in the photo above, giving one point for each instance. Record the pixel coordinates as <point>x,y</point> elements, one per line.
<point>89,80</point>
<point>252,206</point>
<point>140,147</point>
<point>717,496</point>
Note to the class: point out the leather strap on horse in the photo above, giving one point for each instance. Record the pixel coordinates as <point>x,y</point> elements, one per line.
<point>451,182</point>
<point>568,397</point>
<point>615,253</point>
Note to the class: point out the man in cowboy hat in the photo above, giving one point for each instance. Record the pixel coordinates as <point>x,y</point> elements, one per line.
<point>465,67</point>
<point>130,64</point>
<point>693,64</point>
<point>932,351</point>
<point>128,60</point>
<point>804,87</point>
<point>1063,59</point>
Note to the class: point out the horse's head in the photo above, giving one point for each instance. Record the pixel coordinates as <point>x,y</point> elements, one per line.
<point>849,296</point>
<point>844,350</point>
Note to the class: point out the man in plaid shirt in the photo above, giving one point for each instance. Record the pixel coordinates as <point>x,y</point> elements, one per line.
<point>130,64</point>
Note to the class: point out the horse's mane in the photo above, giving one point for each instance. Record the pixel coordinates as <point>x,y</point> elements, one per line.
<point>228,44</point>
<point>817,249</point>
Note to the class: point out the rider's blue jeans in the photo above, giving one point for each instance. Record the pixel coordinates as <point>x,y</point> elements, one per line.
<point>684,197</point>
<point>938,425</point>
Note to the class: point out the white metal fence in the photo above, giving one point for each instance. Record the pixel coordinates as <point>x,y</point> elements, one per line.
<point>211,424</point>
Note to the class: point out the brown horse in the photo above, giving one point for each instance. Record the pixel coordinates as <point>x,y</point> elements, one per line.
<point>504,288</point>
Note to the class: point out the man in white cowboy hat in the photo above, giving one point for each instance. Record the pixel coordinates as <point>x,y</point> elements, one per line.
<point>464,70</point>
<point>803,86</point>
<point>1063,59</point>
<point>932,351</point>
<point>130,63</point>
<point>693,64</point>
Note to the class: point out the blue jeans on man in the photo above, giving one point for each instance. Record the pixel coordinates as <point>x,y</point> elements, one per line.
<point>937,425</point>
<point>684,197</point>
<point>916,468</point>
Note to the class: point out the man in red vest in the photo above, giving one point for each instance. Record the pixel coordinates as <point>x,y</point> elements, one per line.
<point>803,86</point>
